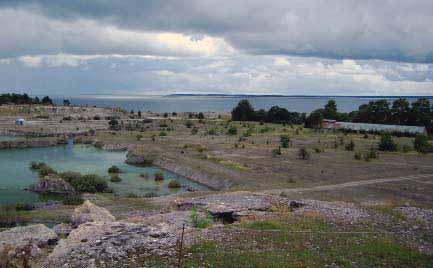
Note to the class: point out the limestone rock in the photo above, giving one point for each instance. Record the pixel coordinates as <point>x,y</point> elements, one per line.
<point>139,160</point>
<point>109,242</point>
<point>62,229</point>
<point>52,184</point>
<point>89,212</point>
<point>19,237</point>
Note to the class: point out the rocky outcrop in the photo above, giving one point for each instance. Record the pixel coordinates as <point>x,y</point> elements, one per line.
<point>117,147</point>
<point>62,229</point>
<point>139,159</point>
<point>212,181</point>
<point>52,184</point>
<point>89,212</point>
<point>31,143</point>
<point>105,244</point>
<point>19,237</point>
<point>231,206</point>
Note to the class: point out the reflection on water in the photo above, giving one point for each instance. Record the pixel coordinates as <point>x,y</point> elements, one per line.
<point>16,175</point>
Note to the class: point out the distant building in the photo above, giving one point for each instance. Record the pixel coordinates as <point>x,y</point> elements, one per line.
<point>333,124</point>
<point>20,122</point>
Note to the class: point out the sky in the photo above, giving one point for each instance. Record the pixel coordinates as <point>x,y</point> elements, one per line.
<point>153,47</point>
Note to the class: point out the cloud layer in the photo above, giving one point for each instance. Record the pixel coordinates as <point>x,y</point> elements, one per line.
<point>342,47</point>
<point>390,30</point>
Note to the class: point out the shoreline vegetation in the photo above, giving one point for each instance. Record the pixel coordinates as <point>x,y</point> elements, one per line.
<point>342,197</point>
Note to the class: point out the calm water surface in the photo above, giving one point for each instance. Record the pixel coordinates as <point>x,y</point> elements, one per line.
<point>219,104</point>
<point>16,175</point>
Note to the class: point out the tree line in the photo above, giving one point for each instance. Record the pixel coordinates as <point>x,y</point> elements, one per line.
<point>399,112</point>
<point>20,99</point>
<point>245,112</point>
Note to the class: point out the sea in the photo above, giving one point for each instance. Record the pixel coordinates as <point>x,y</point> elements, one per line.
<point>159,104</point>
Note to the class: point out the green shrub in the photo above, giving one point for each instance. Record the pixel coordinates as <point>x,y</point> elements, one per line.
<point>406,148</point>
<point>303,153</point>
<point>284,141</point>
<point>73,200</point>
<point>162,134</point>
<point>189,124</point>
<point>276,152</point>
<point>114,169</point>
<point>99,144</point>
<point>232,130</point>
<point>70,176</point>
<point>358,155</point>
<point>386,143</point>
<point>115,178</point>
<point>174,184</point>
<point>198,221</point>
<point>159,175</point>
<point>194,131</point>
<point>90,183</point>
<point>422,145</point>
<point>350,146</point>
<point>8,217</point>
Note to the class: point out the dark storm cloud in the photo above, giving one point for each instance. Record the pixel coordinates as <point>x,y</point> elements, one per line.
<point>398,30</point>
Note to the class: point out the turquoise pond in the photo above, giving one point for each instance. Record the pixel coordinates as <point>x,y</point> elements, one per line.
<point>16,175</point>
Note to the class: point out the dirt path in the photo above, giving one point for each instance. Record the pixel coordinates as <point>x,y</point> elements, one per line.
<point>348,184</point>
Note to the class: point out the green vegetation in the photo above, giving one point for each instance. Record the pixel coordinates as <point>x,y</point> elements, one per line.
<point>114,169</point>
<point>200,221</point>
<point>303,153</point>
<point>42,168</point>
<point>245,112</point>
<point>285,141</point>
<point>90,183</point>
<point>162,134</point>
<point>12,98</point>
<point>174,184</point>
<point>114,177</point>
<point>232,130</point>
<point>159,175</point>
<point>419,113</point>
<point>387,143</point>
<point>350,146</point>
<point>422,145</point>
<point>73,200</point>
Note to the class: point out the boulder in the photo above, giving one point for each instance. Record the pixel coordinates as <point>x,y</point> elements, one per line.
<point>52,184</point>
<point>20,237</point>
<point>62,229</point>
<point>106,244</point>
<point>89,212</point>
<point>139,159</point>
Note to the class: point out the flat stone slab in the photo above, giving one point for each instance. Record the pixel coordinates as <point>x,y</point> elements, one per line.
<point>19,237</point>
<point>109,242</point>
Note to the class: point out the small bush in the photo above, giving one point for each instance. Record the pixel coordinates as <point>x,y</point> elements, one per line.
<point>90,183</point>
<point>98,144</point>
<point>386,143</point>
<point>194,131</point>
<point>303,154</point>
<point>159,176</point>
<point>350,146</point>
<point>115,177</point>
<point>114,169</point>
<point>189,124</point>
<point>174,184</point>
<point>422,145</point>
<point>358,155</point>
<point>70,176</point>
<point>198,221</point>
<point>232,131</point>
<point>46,171</point>
<point>8,217</point>
<point>162,134</point>
<point>73,200</point>
<point>276,152</point>
<point>284,141</point>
